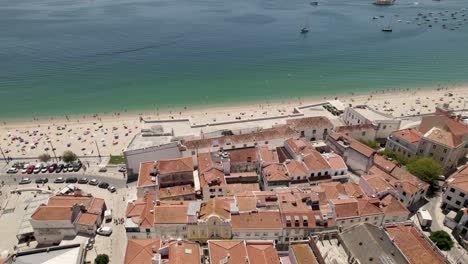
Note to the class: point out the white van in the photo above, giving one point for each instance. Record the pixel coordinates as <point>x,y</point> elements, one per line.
<point>105,230</point>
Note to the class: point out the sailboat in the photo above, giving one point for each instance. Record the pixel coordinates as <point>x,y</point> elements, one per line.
<point>305,29</point>
<point>387,28</point>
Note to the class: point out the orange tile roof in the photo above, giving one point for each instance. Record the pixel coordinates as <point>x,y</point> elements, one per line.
<point>218,206</point>
<point>354,144</point>
<point>269,156</point>
<point>346,207</point>
<point>457,127</point>
<point>48,213</point>
<point>88,219</point>
<point>182,252</point>
<point>392,206</point>
<point>410,183</point>
<point>384,164</point>
<point>333,190</point>
<point>238,188</point>
<point>262,253</point>
<point>243,155</point>
<point>335,161</point>
<point>304,123</point>
<point>275,172</point>
<point>69,200</point>
<point>140,211</point>
<point>299,146</point>
<point>315,162</point>
<point>234,251</point>
<point>459,179</point>
<point>144,177</point>
<point>377,183</point>
<point>279,132</point>
<point>174,165</point>
<point>263,219</point>
<point>414,245</point>
<point>246,203</point>
<point>170,214</point>
<point>176,191</point>
<point>303,253</point>
<point>368,208</point>
<point>141,250</point>
<point>409,135</point>
<point>353,190</point>
<point>295,168</point>
<point>443,137</point>
<point>212,177</point>
<point>205,162</point>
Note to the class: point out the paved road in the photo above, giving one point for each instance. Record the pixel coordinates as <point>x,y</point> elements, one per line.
<point>457,254</point>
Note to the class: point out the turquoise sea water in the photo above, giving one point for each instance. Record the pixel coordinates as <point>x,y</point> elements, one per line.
<point>67,56</point>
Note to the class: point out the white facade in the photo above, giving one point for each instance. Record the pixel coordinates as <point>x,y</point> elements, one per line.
<point>52,231</point>
<point>455,198</point>
<point>171,231</point>
<point>383,123</point>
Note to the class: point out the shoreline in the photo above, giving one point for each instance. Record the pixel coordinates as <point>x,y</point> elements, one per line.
<point>78,118</point>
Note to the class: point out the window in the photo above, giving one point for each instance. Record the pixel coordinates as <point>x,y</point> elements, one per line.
<point>462,194</point>
<point>212,190</point>
<point>312,174</point>
<point>433,146</point>
<point>148,230</point>
<point>366,219</point>
<point>431,154</point>
<point>452,190</point>
<point>319,174</point>
<point>220,189</point>
<point>363,133</point>
<point>375,218</point>
<point>257,234</point>
<point>302,134</point>
<point>420,151</point>
<point>248,234</point>
<point>325,130</point>
<point>266,142</point>
<point>445,150</point>
<point>441,158</point>
<point>193,152</point>
<point>342,173</point>
<point>314,131</point>
<point>449,198</point>
<point>457,202</point>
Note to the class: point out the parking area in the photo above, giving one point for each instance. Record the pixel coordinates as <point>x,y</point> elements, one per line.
<point>15,205</point>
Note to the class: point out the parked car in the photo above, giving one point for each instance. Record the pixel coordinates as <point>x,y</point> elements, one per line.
<point>52,167</point>
<point>45,167</point>
<point>93,182</point>
<point>42,180</point>
<point>103,185</point>
<point>83,180</point>
<point>25,181</point>
<point>65,167</point>
<point>112,189</point>
<point>102,169</point>
<point>30,169</point>
<point>77,166</point>
<point>71,180</point>
<point>25,168</point>
<point>12,170</point>
<point>122,169</point>
<point>38,168</point>
<point>59,180</point>
<point>59,168</point>
<point>104,230</point>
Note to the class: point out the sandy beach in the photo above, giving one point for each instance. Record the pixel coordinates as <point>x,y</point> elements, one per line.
<point>110,134</point>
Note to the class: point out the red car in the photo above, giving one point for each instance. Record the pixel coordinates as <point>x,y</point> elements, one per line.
<point>52,168</point>
<point>30,169</point>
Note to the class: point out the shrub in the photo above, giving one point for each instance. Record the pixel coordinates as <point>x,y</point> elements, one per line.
<point>101,259</point>
<point>69,156</point>
<point>44,157</point>
<point>442,240</point>
<point>425,168</point>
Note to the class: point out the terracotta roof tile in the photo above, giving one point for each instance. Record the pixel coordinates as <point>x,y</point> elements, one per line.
<point>218,206</point>
<point>299,146</point>
<point>267,155</point>
<point>170,214</point>
<point>212,177</point>
<point>443,137</point>
<point>88,219</point>
<point>262,253</point>
<point>275,172</point>
<point>238,188</point>
<point>303,254</point>
<point>459,179</point>
<point>413,244</point>
<point>243,155</point>
<point>295,168</point>
<point>49,213</point>
<point>182,252</point>
<point>354,144</point>
<point>392,206</point>
<point>145,178</point>
<point>315,162</point>
<point>174,165</point>
<point>265,219</point>
<point>409,135</point>
<point>176,191</point>
<point>234,251</point>
<point>141,250</point>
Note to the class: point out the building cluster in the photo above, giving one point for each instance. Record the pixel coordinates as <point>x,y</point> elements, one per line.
<point>276,195</point>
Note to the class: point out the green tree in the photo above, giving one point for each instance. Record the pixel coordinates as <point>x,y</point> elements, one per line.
<point>101,259</point>
<point>69,156</point>
<point>402,159</point>
<point>44,157</point>
<point>442,240</point>
<point>371,143</point>
<point>425,168</point>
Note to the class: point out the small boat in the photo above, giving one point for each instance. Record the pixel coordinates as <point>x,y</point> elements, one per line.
<point>304,30</point>
<point>314,3</point>
<point>387,29</point>
<point>376,17</point>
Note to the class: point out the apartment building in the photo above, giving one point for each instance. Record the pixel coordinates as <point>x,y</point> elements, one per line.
<point>384,124</point>
<point>243,251</point>
<point>456,192</point>
<point>156,251</point>
<point>357,156</point>
<point>359,132</point>
<point>311,128</point>
<point>66,216</point>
